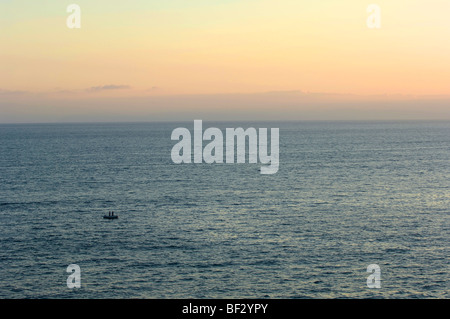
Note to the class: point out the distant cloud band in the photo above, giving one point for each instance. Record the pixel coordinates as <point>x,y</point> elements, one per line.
<point>108,87</point>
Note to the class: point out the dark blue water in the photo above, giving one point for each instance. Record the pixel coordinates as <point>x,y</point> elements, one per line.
<point>346,195</point>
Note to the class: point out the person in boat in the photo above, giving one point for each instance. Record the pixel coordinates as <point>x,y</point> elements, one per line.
<point>112,214</point>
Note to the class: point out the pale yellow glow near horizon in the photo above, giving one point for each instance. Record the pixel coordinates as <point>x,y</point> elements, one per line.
<point>231,47</point>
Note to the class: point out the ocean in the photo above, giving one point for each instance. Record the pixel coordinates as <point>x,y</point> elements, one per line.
<point>346,195</point>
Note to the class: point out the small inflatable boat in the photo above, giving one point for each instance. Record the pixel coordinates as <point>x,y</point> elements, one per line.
<point>110,217</point>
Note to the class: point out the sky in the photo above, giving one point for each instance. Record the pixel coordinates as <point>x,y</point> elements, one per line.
<point>234,59</point>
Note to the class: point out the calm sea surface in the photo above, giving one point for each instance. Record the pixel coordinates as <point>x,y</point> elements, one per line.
<point>346,195</point>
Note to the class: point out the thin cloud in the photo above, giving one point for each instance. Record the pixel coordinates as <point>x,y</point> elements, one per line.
<point>8,92</point>
<point>108,87</point>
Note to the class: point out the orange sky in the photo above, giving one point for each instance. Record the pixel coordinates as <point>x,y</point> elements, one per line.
<point>197,47</point>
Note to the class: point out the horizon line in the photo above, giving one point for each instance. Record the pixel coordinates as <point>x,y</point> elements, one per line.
<point>229,121</point>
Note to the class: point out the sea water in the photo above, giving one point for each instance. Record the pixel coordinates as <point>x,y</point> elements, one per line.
<point>346,195</point>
